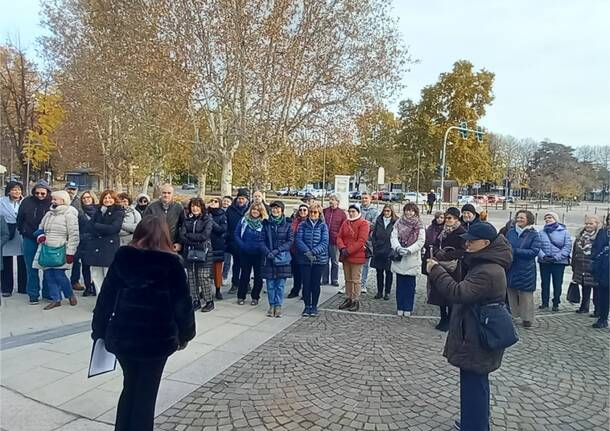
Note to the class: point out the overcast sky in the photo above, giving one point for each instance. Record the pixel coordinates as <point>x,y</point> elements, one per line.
<point>551,63</point>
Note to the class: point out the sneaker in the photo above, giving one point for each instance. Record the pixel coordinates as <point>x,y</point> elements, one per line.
<point>305,312</point>
<point>555,308</point>
<point>407,314</point>
<point>292,295</point>
<point>254,302</point>
<point>233,289</point>
<point>218,295</point>
<point>34,301</point>
<point>342,290</point>
<point>386,297</point>
<point>600,324</point>
<point>400,313</point>
<point>277,311</point>
<point>271,311</point>
<point>209,306</point>
<point>543,307</point>
<point>363,290</point>
<point>313,312</point>
<point>241,301</point>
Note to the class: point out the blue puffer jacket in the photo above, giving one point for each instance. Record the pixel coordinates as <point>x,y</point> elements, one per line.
<point>601,259</point>
<point>522,273</point>
<point>248,240</point>
<point>312,236</point>
<point>557,244</point>
<point>278,238</point>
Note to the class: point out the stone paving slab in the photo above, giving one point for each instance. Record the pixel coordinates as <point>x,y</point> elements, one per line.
<point>356,371</point>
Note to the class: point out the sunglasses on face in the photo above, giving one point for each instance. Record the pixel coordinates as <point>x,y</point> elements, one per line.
<point>40,193</point>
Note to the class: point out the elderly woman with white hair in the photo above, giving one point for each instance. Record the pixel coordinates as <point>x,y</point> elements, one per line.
<point>582,259</point>
<point>58,239</point>
<point>554,256</point>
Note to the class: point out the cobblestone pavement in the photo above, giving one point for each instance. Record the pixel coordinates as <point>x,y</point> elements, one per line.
<point>365,371</point>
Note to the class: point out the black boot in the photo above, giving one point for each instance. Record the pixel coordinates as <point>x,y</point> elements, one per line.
<point>355,306</point>
<point>346,304</point>
<point>379,295</point>
<point>218,295</point>
<point>443,325</point>
<point>90,290</point>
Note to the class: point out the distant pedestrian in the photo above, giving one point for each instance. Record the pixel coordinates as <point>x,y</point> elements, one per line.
<point>259,198</point>
<point>334,218</point>
<point>370,214</point>
<point>89,207</point>
<point>308,199</point>
<point>142,202</point>
<point>312,254</point>
<point>13,250</point>
<point>521,277</point>
<point>278,238</point>
<point>582,261</point>
<point>431,198</point>
<point>301,215</point>
<point>469,216</point>
<point>168,208</point>
<point>31,211</point>
<point>58,228</point>
<point>235,212</point>
<point>72,188</point>
<point>226,266</point>
<point>351,242</point>
<point>195,237</point>
<point>4,234</point>
<point>488,256</point>
<point>104,228</point>
<point>130,219</point>
<point>219,235</point>
<point>249,240</point>
<point>601,273</point>
<point>382,249</point>
<point>144,316</point>
<point>554,256</point>
<point>408,237</point>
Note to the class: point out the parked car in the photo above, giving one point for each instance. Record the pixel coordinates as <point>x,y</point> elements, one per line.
<point>188,186</point>
<point>480,199</point>
<point>285,191</point>
<point>318,193</point>
<point>466,199</point>
<point>355,194</point>
<point>377,196</point>
<point>511,200</point>
<point>392,196</point>
<point>412,197</point>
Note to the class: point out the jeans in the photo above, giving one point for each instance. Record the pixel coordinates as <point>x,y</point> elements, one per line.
<point>384,282</point>
<point>474,401</point>
<point>603,304</point>
<point>58,283</point>
<point>33,283</point>
<point>405,292</point>
<point>250,263</point>
<point>332,266</point>
<point>275,291</point>
<point>365,273</point>
<point>136,408</point>
<point>296,277</point>
<point>550,271</point>
<point>311,275</point>
<point>7,275</point>
<point>226,267</point>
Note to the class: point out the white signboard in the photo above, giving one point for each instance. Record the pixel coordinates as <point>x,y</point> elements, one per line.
<point>342,190</point>
<point>381,175</point>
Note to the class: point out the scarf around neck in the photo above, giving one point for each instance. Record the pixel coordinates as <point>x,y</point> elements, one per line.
<point>408,230</point>
<point>585,241</point>
<point>448,229</point>
<point>277,220</point>
<point>551,227</point>
<point>254,223</point>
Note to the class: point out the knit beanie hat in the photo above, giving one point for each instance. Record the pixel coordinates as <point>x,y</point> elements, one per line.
<point>453,212</point>
<point>303,205</point>
<point>552,214</point>
<point>243,193</point>
<point>469,208</point>
<point>63,195</point>
<point>354,207</point>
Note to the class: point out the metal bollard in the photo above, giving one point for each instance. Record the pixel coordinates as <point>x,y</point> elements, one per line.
<point>536,218</point>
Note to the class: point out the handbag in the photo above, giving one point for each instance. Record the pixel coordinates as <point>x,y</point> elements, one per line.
<point>395,256</point>
<point>52,257</point>
<point>573,295</point>
<point>283,258</point>
<point>196,255</point>
<point>496,329</point>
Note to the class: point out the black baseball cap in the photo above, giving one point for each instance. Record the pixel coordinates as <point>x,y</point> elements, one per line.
<point>481,230</point>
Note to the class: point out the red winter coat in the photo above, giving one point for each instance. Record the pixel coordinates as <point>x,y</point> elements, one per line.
<point>334,218</point>
<point>353,235</point>
<point>296,221</point>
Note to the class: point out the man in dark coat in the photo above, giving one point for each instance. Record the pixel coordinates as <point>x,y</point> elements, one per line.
<point>601,273</point>
<point>219,236</point>
<point>488,255</point>
<point>170,209</point>
<point>31,211</point>
<point>234,214</point>
<point>430,200</point>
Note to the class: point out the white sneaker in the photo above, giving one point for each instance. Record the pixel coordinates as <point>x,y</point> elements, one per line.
<point>342,290</point>
<point>400,313</point>
<point>406,314</point>
<point>364,290</point>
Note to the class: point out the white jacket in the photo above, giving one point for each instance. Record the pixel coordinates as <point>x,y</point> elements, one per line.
<point>410,264</point>
<point>130,221</point>
<point>60,226</point>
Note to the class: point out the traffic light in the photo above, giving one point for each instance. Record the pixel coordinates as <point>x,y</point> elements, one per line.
<point>479,134</point>
<point>464,129</point>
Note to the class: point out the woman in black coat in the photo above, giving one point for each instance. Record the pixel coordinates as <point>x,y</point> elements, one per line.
<point>380,237</point>
<point>88,204</point>
<point>195,235</point>
<point>144,316</point>
<point>219,236</point>
<point>103,228</point>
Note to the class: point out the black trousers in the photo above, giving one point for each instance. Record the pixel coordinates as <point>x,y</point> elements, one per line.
<point>603,302</point>
<point>296,276</point>
<point>7,279</point>
<point>136,409</point>
<point>235,269</point>
<point>445,311</point>
<point>250,263</point>
<point>384,281</point>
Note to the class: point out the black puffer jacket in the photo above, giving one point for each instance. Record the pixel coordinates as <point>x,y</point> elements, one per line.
<point>32,210</point>
<point>196,233</point>
<point>104,228</point>
<point>484,283</point>
<point>219,233</point>
<point>381,244</point>
<point>148,292</point>
<point>582,260</point>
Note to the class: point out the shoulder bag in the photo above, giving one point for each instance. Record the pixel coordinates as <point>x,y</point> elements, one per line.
<point>496,329</point>
<point>194,255</point>
<point>52,257</point>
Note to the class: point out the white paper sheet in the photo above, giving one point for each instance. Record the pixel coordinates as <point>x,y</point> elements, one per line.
<point>102,361</point>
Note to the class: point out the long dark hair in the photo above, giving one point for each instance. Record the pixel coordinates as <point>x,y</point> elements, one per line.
<point>152,233</point>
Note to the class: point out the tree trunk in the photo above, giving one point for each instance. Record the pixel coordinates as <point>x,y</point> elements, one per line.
<point>226,177</point>
<point>202,178</point>
<point>145,184</point>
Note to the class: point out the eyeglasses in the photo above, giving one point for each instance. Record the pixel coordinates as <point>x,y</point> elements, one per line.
<point>40,193</point>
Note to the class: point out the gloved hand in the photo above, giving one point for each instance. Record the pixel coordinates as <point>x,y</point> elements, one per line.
<point>344,252</point>
<point>69,258</point>
<point>309,255</point>
<point>41,239</point>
